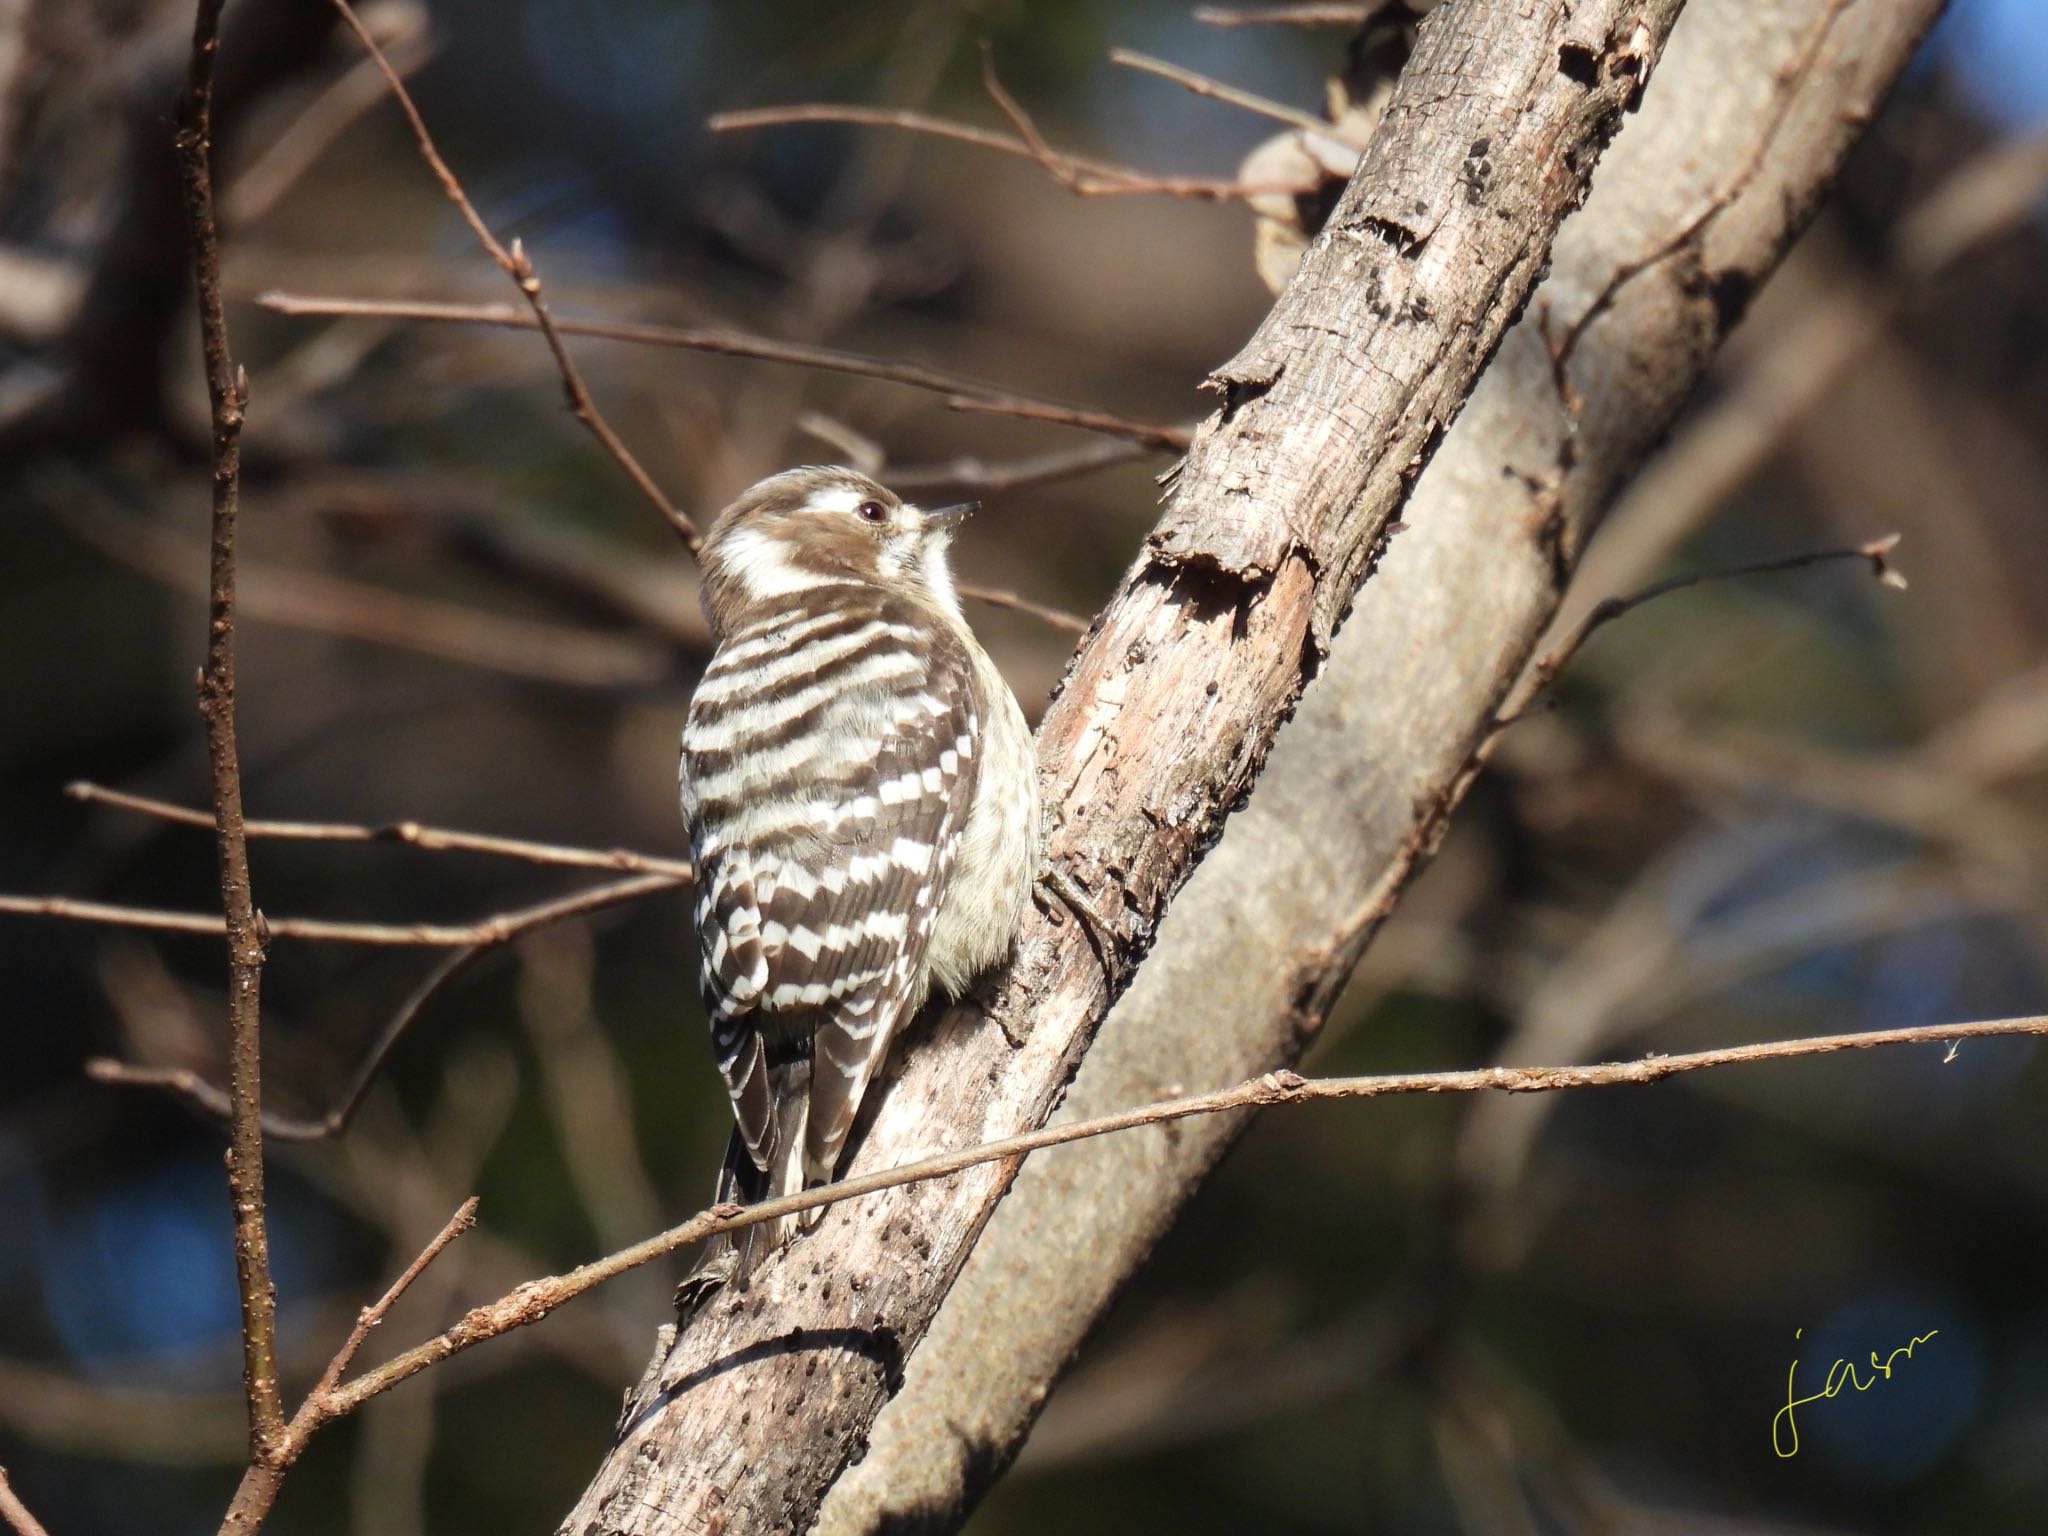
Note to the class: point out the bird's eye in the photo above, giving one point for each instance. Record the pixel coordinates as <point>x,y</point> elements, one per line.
<point>873,512</point>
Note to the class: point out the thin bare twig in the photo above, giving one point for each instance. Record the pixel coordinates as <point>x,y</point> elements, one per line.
<point>1730,438</point>
<point>1544,671</point>
<point>1167,439</point>
<point>412,833</point>
<point>516,265</point>
<point>977,474</point>
<point>999,597</point>
<point>498,931</point>
<point>260,1483</point>
<point>844,439</point>
<point>495,929</point>
<point>15,1513</point>
<point>463,1219</point>
<point>227,388</point>
<point>1320,15</point>
<point>534,1300</point>
<point>209,1100</point>
<point>1562,348</point>
<point>1217,90</point>
<point>1079,174</point>
<point>993,397</point>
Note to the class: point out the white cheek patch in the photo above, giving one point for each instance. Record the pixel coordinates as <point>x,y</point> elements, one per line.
<point>763,566</point>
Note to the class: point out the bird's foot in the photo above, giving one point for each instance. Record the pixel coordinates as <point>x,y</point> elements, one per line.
<point>1056,884</point>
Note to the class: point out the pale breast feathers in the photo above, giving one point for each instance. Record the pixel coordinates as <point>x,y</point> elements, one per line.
<point>828,764</point>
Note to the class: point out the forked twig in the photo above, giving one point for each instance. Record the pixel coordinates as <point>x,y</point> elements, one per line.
<point>1544,671</point>
<point>375,1313</point>
<point>1079,174</point>
<point>495,933</point>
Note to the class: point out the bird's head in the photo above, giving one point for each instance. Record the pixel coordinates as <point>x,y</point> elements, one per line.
<point>820,526</point>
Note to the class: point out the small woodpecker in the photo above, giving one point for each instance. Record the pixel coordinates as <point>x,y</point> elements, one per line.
<point>861,794</point>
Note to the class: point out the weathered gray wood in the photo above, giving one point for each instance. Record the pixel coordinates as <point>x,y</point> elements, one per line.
<point>757,1405</point>
<point>1253,948</point>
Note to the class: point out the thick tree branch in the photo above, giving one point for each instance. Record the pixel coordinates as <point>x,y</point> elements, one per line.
<point>1165,718</point>
<point>1248,960</point>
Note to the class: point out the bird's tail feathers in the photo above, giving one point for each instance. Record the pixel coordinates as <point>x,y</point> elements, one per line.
<point>730,1258</point>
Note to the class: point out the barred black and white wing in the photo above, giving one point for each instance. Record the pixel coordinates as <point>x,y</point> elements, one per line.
<point>828,765</point>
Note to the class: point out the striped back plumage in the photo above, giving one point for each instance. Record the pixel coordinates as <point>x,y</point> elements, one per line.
<point>829,763</point>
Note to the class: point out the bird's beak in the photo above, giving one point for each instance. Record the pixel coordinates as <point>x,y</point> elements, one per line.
<point>950,518</point>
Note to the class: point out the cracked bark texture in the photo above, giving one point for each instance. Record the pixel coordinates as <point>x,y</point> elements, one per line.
<point>755,1406</point>
<point>1258,944</point>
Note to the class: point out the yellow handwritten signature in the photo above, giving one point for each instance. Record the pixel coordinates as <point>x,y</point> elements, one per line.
<point>1841,1374</point>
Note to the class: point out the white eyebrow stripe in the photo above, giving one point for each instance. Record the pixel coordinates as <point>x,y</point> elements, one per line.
<point>842,498</point>
<point>764,568</point>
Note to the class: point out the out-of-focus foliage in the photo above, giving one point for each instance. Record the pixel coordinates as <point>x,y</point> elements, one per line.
<point>1792,806</point>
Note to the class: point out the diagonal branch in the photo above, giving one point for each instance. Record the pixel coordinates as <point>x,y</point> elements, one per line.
<point>1217,90</point>
<point>536,1299</point>
<point>375,1313</point>
<point>960,388</point>
<point>515,264</point>
<point>1079,174</point>
<point>16,1513</point>
<point>1543,672</point>
<point>1689,232</point>
<point>472,943</point>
